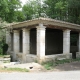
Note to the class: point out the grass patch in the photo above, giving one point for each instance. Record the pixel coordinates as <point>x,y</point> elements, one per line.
<point>51,64</point>
<point>13,69</point>
<point>48,65</point>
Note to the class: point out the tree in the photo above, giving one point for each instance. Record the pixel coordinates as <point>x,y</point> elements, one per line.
<point>28,11</point>
<point>49,7</point>
<point>61,10</point>
<point>74,11</point>
<point>9,10</point>
<point>33,9</point>
<point>67,10</point>
<point>19,16</point>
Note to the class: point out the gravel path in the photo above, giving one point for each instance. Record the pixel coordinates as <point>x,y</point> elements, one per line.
<point>64,75</point>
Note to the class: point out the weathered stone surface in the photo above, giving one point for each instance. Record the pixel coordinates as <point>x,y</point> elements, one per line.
<point>5,60</point>
<point>26,45</point>
<point>77,54</point>
<point>16,44</point>
<point>58,57</point>
<point>64,56</point>
<point>31,58</point>
<point>6,56</point>
<point>66,41</point>
<point>26,41</point>
<point>40,42</point>
<point>50,57</point>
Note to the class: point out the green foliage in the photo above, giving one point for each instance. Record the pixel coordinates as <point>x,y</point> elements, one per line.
<point>73,11</point>
<point>2,34</point>
<point>9,10</point>
<point>66,10</point>
<point>48,65</point>
<point>50,8</point>
<point>28,11</point>
<point>33,9</point>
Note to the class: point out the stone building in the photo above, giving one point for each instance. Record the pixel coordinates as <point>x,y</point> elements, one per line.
<point>43,39</point>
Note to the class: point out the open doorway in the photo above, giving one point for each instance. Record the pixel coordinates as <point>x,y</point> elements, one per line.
<point>33,41</point>
<point>74,37</point>
<point>54,41</point>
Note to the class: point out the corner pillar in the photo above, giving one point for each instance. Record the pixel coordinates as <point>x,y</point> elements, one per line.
<point>40,42</point>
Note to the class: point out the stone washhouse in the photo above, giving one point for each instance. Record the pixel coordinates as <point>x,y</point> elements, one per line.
<point>43,39</point>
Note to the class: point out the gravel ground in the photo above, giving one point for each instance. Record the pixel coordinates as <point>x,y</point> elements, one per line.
<point>64,75</point>
<point>32,67</point>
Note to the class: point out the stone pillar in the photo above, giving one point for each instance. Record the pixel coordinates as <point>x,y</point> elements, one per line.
<point>26,43</point>
<point>8,40</point>
<point>41,42</point>
<point>66,41</point>
<point>15,43</point>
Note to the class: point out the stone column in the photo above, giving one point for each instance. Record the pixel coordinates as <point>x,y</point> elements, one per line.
<point>15,43</point>
<point>66,44</point>
<point>26,43</point>
<point>41,42</point>
<point>66,41</point>
<point>8,40</point>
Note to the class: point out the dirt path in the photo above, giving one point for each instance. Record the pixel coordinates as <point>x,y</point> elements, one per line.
<point>68,66</point>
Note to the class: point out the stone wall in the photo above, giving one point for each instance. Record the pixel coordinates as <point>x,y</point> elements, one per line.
<point>58,57</point>
<point>23,58</point>
<point>5,59</point>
